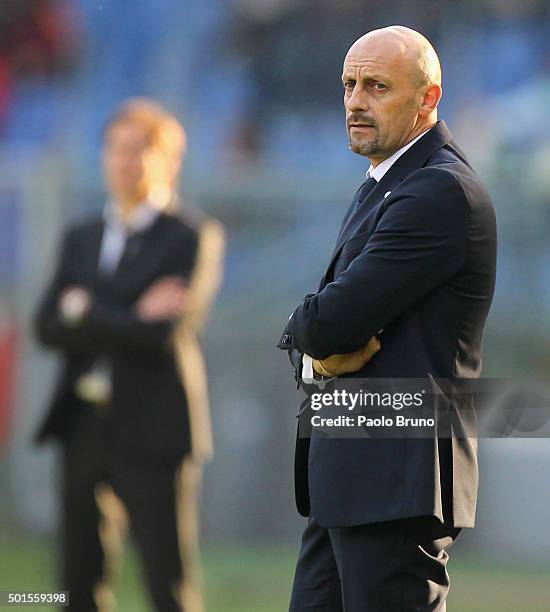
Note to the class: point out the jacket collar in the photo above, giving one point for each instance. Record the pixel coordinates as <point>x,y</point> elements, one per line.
<point>416,156</point>
<point>383,167</point>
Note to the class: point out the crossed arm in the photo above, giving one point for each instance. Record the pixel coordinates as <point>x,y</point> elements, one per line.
<point>420,241</point>
<point>72,318</point>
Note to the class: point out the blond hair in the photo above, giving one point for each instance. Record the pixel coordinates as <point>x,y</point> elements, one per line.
<point>164,131</point>
<point>165,134</point>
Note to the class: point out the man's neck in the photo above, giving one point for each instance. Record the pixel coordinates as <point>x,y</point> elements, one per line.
<point>127,206</point>
<point>377,172</point>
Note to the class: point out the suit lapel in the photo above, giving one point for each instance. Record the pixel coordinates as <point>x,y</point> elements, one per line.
<point>133,267</point>
<point>348,229</point>
<point>351,221</point>
<point>89,257</point>
<point>413,159</point>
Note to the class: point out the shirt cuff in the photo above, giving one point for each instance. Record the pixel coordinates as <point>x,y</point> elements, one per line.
<point>307,368</point>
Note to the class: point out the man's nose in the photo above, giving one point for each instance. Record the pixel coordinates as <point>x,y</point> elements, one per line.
<point>357,101</point>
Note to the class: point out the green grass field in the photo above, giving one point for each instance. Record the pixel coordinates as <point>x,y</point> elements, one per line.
<point>258,578</point>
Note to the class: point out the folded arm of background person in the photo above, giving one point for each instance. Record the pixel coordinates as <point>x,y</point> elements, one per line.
<point>419,242</point>
<point>202,288</point>
<point>106,325</point>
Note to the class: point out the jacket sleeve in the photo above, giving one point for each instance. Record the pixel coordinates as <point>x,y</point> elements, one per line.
<point>49,327</point>
<point>420,241</point>
<point>120,329</point>
<point>124,331</point>
<point>117,329</point>
<point>109,326</point>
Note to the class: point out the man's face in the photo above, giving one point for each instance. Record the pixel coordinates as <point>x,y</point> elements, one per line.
<point>127,160</point>
<point>381,100</point>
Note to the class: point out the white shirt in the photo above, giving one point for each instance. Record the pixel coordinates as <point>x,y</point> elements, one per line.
<point>117,231</point>
<point>377,174</point>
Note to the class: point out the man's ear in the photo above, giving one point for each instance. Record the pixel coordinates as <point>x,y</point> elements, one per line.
<point>430,100</point>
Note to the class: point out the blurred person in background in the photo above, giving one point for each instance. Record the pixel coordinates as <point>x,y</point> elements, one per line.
<point>129,296</point>
<point>406,295</point>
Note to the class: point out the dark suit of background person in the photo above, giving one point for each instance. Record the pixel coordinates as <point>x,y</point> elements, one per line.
<point>139,456</point>
<point>417,261</point>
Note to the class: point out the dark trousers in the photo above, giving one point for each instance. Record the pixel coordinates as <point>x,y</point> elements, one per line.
<point>101,493</point>
<point>392,566</point>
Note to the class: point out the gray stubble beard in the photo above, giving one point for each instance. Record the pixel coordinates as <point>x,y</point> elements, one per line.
<point>366,149</point>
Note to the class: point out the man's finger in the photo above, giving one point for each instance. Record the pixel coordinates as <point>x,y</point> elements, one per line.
<point>372,347</point>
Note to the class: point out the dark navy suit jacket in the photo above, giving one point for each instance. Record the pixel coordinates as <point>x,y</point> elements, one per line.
<point>149,406</point>
<point>418,263</point>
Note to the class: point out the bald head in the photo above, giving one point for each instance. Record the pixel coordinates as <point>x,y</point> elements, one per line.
<point>402,49</point>
<point>392,82</point>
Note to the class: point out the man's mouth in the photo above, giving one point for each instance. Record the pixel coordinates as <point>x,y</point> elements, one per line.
<point>361,126</point>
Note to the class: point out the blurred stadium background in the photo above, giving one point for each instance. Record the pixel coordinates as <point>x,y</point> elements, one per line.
<point>256,83</point>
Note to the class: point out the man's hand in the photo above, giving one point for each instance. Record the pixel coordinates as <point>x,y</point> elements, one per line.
<point>74,303</point>
<point>165,299</point>
<point>349,362</point>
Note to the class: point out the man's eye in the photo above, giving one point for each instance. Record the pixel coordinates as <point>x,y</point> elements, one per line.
<point>349,84</point>
<point>380,86</point>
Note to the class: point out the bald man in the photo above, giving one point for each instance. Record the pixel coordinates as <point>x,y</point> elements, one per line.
<point>405,295</point>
